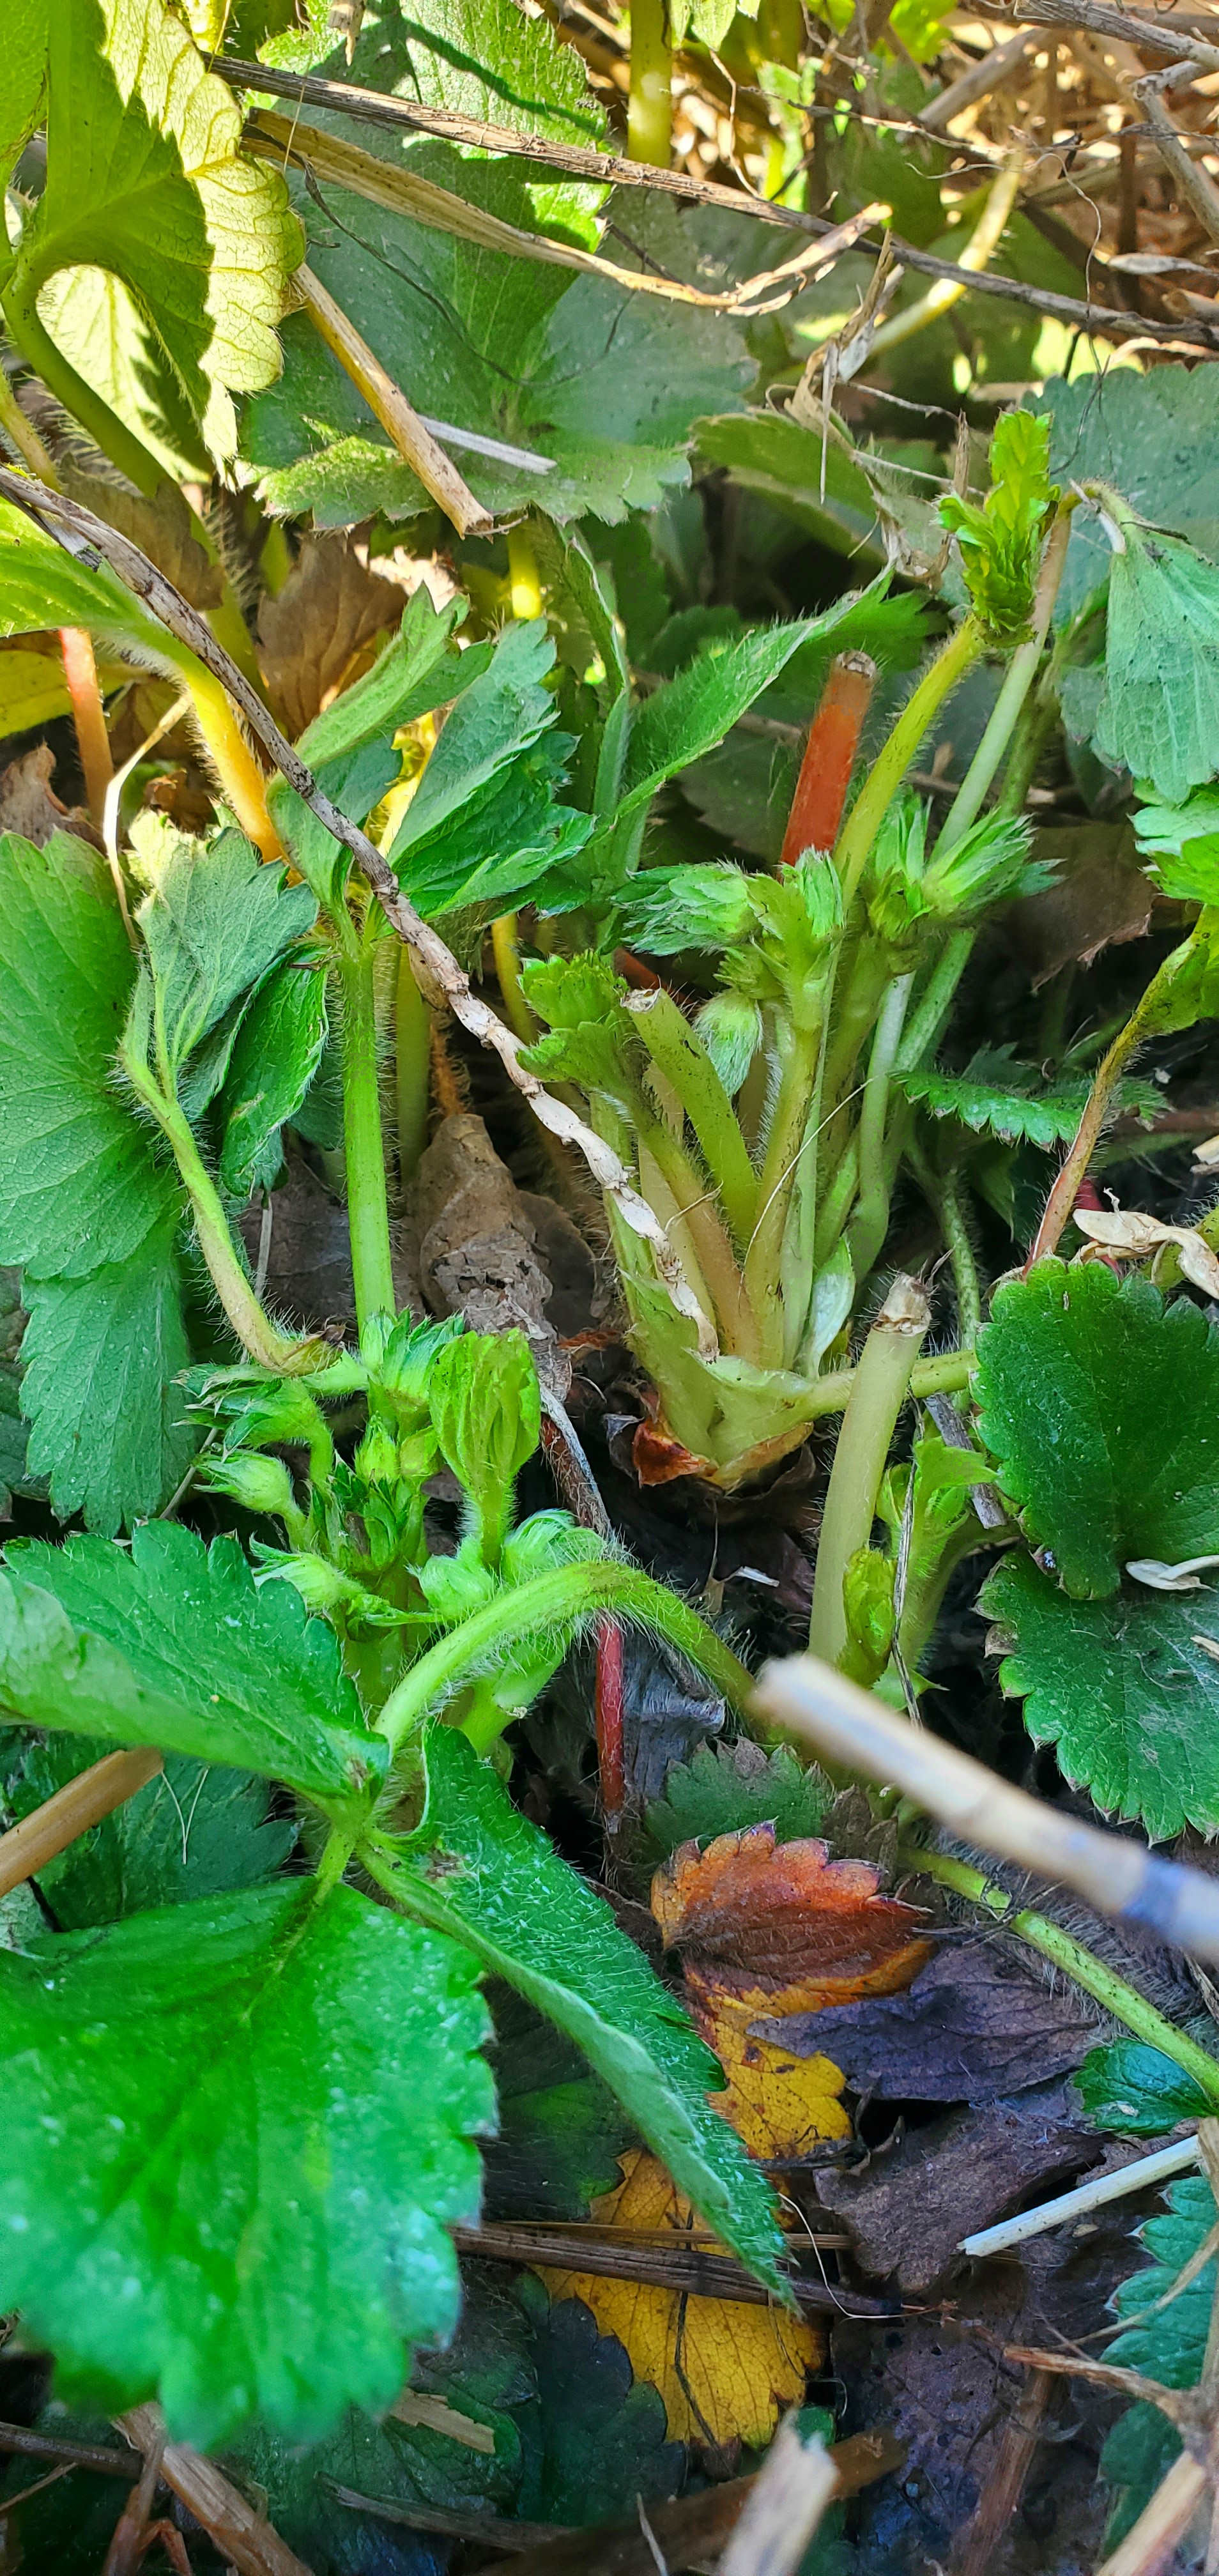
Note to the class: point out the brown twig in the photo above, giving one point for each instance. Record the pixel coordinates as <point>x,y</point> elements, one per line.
<point>975,2545</point>
<point>81,1803</point>
<point>75,2455</point>
<point>1189,178</point>
<point>243,2537</point>
<point>388,404</point>
<point>695,2275</point>
<point>130,2535</point>
<point>1165,37</point>
<point>425,944</point>
<point>980,81</point>
<point>1119,1878</point>
<point>370,107</point>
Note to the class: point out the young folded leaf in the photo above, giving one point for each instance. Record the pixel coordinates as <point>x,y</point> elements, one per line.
<point>1000,543</point>
<point>264,2109</point>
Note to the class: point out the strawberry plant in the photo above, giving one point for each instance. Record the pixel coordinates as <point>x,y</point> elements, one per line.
<point>609,874</point>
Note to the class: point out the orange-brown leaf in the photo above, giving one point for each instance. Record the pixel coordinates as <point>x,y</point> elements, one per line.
<point>750,1915</point>
<point>726,2372</point>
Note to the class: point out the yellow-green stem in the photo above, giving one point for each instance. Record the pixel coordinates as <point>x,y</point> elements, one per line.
<point>364,1144</point>
<point>240,777</point>
<point>893,760</point>
<point>649,115</point>
<point>881,1385</point>
<point>1123,2001</point>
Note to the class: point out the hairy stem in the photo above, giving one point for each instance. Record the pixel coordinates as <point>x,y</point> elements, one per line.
<point>88,716</point>
<point>507,955</point>
<point>20,433</point>
<point>1123,2001</point>
<point>680,1055</point>
<point>870,1222</point>
<point>558,1600</point>
<point>882,1384</point>
<point>935,1001</point>
<point>889,768</point>
<point>363,1142</point>
<point>240,777</point>
<point>1142,1024</point>
<point>1021,673</point>
<point>272,1350</point>
<point>649,122</point>
<point>412,1068</point>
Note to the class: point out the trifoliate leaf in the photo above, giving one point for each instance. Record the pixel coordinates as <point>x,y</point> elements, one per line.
<point>727,1786</point>
<point>275,1058</point>
<point>998,1096</point>
<point>1159,717</point>
<point>195,1830</point>
<point>536,1923</point>
<point>1000,544</point>
<point>263,2109</point>
<point>103,1359</point>
<point>1126,1689</point>
<point>145,179</point>
<point>1169,2345</point>
<point>1137,2091</point>
<point>1100,1405</point>
<point>214,922</point>
<point>171,1643</point>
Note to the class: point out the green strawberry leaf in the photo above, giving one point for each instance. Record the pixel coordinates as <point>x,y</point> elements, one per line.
<point>596,2440</point>
<point>536,1923</point>
<point>1000,543</point>
<point>601,381</point>
<point>103,1358</point>
<point>507,708</point>
<point>1152,438</point>
<point>1169,2346</point>
<point>42,586</point>
<point>215,921</point>
<point>1159,716</point>
<point>195,1830</point>
<point>726,1786</point>
<point>85,1207</point>
<point>1100,1405</point>
<point>171,1643</point>
<point>692,713</point>
<point>997,1096</point>
<point>264,2108</point>
<point>275,1059</point>
<point>145,180</point>
<point>503,846</point>
<point>79,1184</point>
<point>1137,2091</point>
<point>1126,1689</point>
<point>420,668</point>
<point>560,2130</point>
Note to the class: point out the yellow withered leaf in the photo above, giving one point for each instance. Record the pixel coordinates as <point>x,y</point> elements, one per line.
<point>726,2371</point>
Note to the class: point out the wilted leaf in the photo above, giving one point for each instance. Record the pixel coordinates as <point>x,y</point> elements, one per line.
<point>1136,1237</point>
<point>310,634</point>
<point>160,527</point>
<point>753,1915</point>
<point>1100,897</point>
<point>725,2371</point>
<point>970,2029</point>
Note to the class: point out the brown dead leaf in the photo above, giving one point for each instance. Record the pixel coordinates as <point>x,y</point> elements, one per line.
<point>313,637</point>
<point>160,527</point>
<point>1101,897</point>
<point>30,806</point>
<point>750,1915</point>
<point>725,2371</point>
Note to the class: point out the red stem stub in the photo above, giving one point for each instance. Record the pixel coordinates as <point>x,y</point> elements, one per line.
<point>829,757</point>
<point>609,1705</point>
